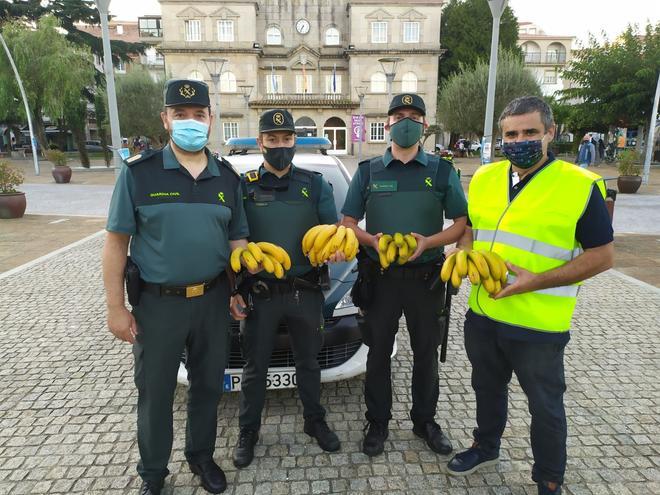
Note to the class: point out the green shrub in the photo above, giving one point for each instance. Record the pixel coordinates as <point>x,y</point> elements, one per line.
<point>9,178</point>
<point>57,157</point>
<point>628,163</point>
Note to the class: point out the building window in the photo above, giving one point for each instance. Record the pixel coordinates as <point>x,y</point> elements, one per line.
<point>377,132</point>
<point>411,32</point>
<point>120,67</point>
<point>193,30</point>
<point>333,84</point>
<point>273,83</point>
<point>120,29</point>
<point>227,82</point>
<point>379,32</point>
<point>550,77</point>
<point>556,54</point>
<point>304,83</point>
<point>273,36</point>
<point>225,30</point>
<point>409,83</point>
<point>149,27</point>
<point>378,83</point>
<point>230,130</point>
<point>196,76</point>
<point>332,36</point>
<point>531,52</point>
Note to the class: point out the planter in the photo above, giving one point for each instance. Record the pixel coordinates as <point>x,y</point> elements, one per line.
<point>628,184</point>
<point>61,174</point>
<point>12,205</point>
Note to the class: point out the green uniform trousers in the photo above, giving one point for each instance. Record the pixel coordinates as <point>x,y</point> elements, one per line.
<point>167,325</point>
<point>302,311</point>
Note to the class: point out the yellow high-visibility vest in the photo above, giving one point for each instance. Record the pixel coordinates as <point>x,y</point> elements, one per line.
<point>535,231</point>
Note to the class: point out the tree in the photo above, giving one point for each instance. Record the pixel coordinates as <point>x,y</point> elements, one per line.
<point>139,102</point>
<point>462,98</point>
<point>69,13</point>
<point>53,70</point>
<point>614,82</point>
<point>465,33</point>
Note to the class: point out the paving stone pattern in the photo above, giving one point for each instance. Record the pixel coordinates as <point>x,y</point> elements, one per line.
<point>67,404</point>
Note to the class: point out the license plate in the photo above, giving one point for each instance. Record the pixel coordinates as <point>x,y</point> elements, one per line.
<point>274,379</point>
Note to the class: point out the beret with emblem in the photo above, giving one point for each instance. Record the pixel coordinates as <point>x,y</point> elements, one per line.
<point>186,92</point>
<point>407,100</point>
<point>277,119</point>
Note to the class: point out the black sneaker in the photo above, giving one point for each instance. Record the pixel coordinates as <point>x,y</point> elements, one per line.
<point>149,488</point>
<point>468,461</point>
<point>325,437</point>
<point>244,450</point>
<point>435,439</point>
<point>545,490</point>
<point>213,478</point>
<point>376,433</point>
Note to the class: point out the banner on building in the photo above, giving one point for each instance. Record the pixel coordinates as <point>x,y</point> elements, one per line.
<point>357,122</point>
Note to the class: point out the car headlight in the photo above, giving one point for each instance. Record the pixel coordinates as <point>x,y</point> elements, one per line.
<point>345,306</point>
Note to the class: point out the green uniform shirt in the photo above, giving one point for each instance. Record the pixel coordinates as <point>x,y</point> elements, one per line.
<point>180,227</point>
<point>455,205</point>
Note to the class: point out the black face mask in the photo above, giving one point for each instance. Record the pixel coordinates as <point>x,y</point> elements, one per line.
<point>279,158</point>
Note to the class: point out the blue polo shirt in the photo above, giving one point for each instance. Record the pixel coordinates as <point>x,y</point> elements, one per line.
<point>180,226</point>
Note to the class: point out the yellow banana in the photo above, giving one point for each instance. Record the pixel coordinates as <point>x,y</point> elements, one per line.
<point>398,239</point>
<point>274,250</point>
<point>309,237</point>
<point>323,237</point>
<point>352,245</point>
<point>404,251</point>
<point>277,269</point>
<point>249,260</point>
<point>489,284</point>
<point>493,264</point>
<point>384,262</point>
<point>383,242</point>
<point>267,263</point>
<point>456,279</point>
<point>411,241</point>
<point>312,258</point>
<point>235,259</point>
<point>325,253</point>
<point>337,239</point>
<point>473,273</point>
<point>447,268</point>
<point>480,263</point>
<point>498,287</point>
<point>391,252</point>
<point>461,263</point>
<point>255,251</point>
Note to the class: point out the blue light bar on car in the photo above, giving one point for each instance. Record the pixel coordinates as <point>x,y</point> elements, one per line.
<point>308,143</point>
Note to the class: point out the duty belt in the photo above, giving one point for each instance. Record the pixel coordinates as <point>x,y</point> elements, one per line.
<point>412,272</point>
<point>187,291</point>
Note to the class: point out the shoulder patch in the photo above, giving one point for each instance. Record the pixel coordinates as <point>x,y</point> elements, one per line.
<point>140,157</point>
<point>252,176</point>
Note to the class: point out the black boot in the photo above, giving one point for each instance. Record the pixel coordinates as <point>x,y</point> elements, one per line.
<point>213,478</point>
<point>149,488</point>
<point>244,450</point>
<point>435,439</point>
<point>325,437</point>
<point>376,433</point>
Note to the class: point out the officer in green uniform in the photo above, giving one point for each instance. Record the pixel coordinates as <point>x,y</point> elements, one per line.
<point>181,210</point>
<point>282,202</point>
<point>406,190</point>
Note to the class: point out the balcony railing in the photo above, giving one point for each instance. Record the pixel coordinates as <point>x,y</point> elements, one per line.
<point>305,99</point>
<point>555,58</point>
<point>151,33</point>
<point>304,96</point>
<point>532,57</point>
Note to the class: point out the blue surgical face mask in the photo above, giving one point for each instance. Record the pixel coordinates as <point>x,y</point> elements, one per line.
<point>523,154</point>
<point>190,135</point>
<point>407,132</point>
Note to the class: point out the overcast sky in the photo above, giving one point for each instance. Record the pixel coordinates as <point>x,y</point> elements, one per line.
<point>561,17</point>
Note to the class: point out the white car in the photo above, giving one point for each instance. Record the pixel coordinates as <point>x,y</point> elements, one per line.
<point>343,355</point>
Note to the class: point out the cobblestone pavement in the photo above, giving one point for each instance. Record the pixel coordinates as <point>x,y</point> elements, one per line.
<point>67,404</point>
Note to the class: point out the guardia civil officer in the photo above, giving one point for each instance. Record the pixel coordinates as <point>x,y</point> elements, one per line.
<point>547,218</point>
<point>282,202</point>
<point>181,210</point>
<point>408,191</point>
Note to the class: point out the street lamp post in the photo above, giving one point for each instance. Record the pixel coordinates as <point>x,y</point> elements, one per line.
<point>214,68</point>
<point>246,90</point>
<point>389,65</point>
<point>651,136</point>
<point>102,6</point>
<point>360,90</point>
<point>496,9</point>
<point>33,141</point>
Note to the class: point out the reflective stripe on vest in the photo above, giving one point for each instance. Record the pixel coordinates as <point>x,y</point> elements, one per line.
<point>535,231</point>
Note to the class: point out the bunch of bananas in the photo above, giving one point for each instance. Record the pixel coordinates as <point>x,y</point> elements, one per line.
<point>271,257</point>
<point>322,241</point>
<point>397,247</point>
<point>481,267</point>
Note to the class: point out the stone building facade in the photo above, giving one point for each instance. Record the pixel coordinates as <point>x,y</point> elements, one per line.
<point>310,56</point>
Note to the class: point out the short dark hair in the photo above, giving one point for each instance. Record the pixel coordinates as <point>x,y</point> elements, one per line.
<point>528,104</point>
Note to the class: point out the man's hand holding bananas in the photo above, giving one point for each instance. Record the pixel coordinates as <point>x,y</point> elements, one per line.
<point>480,267</point>
<point>330,243</point>
<point>259,256</point>
<point>398,248</point>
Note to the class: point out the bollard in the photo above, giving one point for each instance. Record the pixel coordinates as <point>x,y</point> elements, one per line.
<point>610,199</point>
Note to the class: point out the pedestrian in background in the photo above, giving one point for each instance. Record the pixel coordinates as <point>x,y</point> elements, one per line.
<point>586,152</point>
